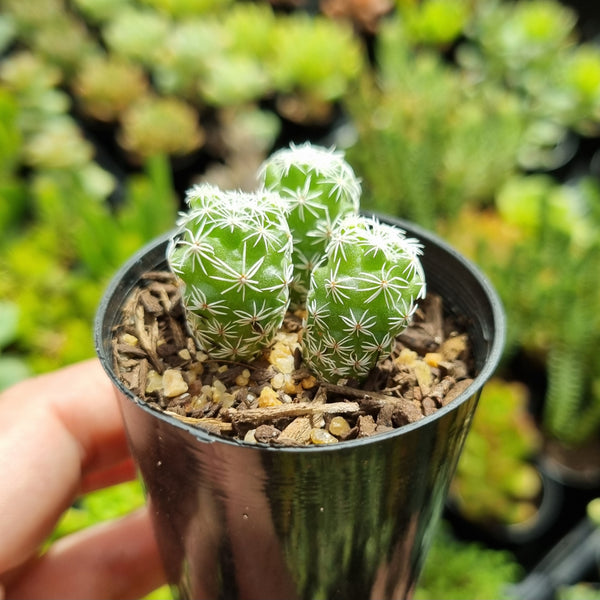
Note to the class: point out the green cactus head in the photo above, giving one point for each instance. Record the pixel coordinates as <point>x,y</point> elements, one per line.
<point>362,295</point>
<point>233,255</point>
<point>319,187</point>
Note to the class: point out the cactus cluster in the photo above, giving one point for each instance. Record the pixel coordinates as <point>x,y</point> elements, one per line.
<point>239,255</point>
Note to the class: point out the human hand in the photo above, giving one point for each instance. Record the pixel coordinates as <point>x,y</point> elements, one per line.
<point>61,435</point>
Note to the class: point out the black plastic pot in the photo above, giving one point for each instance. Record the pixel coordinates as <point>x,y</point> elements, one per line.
<point>575,466</point>
<point>349,520</point>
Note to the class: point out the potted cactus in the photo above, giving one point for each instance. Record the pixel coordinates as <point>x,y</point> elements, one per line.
<point>258,359</point>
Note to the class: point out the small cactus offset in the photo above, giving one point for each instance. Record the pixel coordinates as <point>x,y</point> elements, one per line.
<point>233,255</point>
<point>319,187</point>
<point>362,295</point>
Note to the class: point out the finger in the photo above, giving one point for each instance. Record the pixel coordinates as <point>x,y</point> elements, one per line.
<point>55,431</point>
<point>112,560</point>
<point>101,478</point>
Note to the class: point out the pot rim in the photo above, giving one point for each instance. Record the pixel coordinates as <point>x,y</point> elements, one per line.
<point>493,357</point>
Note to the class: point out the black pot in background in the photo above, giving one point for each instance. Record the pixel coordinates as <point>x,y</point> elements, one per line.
<point>350,520</point>
<point>576,466</point>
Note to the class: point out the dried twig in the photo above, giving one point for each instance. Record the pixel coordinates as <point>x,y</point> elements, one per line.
<point>360,395</point>
<point>211,424</point>
<point>292,410</point>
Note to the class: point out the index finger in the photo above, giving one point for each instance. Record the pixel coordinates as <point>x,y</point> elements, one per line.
<point>57,432</point>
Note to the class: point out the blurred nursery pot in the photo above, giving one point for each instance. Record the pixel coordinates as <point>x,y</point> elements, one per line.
<point>347,520</point>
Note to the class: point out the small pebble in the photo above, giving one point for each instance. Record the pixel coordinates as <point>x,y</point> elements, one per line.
<point>423,374</point>
<point>385,418</point>
<point>339,427</point>
<point>291,388</point>
<point>278,381</point>
<point>173,383</point>
<point>185,354</point>
<point>218,389</point>
<point>322,436</point>
<point>228,400</point>
<point>454,347</point>
<point>282,357</point>
<point>129,339</point>
<point>366,426</point>
<point>317,420</point>
<point>250,438</point>
<point>243,378</point>
<point>153,382</point>
<point>309,382</point>
<point>429,406</point>
<point>406,357</point>
<point>194,371</point>
<point>266,433</point>
<point>433,359</point>
<point>220,395</point>
<point>268,397</point>
<point>199,402</point>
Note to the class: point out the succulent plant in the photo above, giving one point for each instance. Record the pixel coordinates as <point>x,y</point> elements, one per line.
<point>496,481</point>
<point>106,85</point>
<point>316,58</point>
<point>35,85</point>
<point>160,125</point>
<point>233,80</point>
<point>191,45</point>
<point>236,255</point>
<point>138,34</point>
<point>59,144</point>
<point>64,41</point>
<point>29,17</point>
<point>362,295</point>
<point>250,27</point>
<point>233,254</point>
<point>319,187</point>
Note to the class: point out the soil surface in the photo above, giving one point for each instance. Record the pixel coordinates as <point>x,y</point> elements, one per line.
<point>275,399</point>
